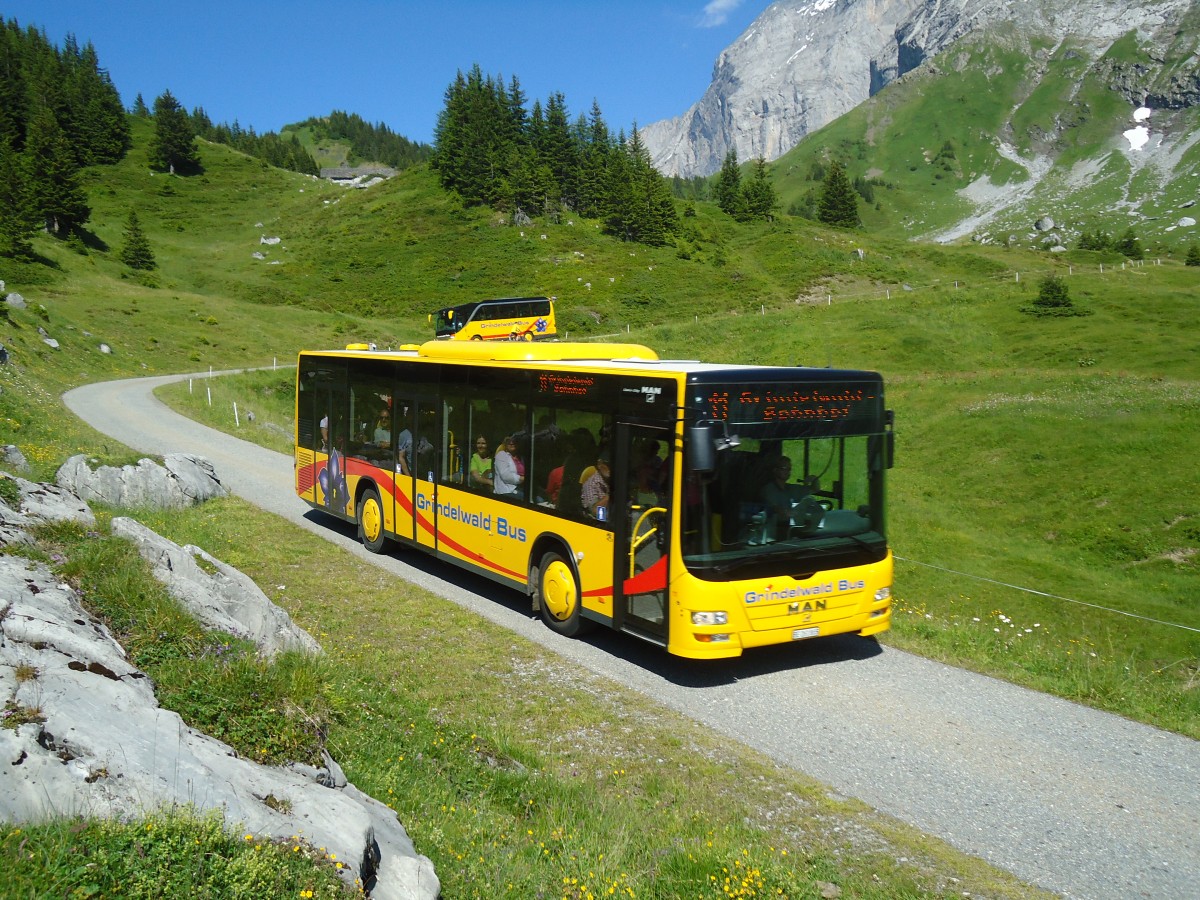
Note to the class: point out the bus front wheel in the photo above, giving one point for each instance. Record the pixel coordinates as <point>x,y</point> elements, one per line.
<point>370,521</point>
<point>558,596</point>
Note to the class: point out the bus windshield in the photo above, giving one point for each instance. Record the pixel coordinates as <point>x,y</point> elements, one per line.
<point>788,495</point>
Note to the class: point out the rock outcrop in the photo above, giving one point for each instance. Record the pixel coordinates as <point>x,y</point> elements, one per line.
<point>90,738</point>
<point>181,481</point>
<point>803,63</point>
<point>223,599</point>
<point>94,742</point>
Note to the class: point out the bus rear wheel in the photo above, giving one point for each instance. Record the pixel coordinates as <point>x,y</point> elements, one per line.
<point>370,521</point>
<point>559,596</point>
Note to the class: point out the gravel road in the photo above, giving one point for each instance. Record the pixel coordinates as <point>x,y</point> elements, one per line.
<point>1079,802</point>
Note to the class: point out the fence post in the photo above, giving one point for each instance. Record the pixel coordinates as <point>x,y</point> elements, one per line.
<point>208,390</point>
<point>236,420</point>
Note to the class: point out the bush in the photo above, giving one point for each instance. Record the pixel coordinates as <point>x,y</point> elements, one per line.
<point>1053,299</point>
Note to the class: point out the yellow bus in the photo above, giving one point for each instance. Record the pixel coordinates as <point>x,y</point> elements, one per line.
<point>704,508</point>
<point>507,319</point>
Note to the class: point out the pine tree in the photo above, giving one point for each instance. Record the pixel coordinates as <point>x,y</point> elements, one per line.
<point>173,147</point>
<point>140,109</point>
<point>18,219</point>
<point>1129,246</point>
<point>838,205</point>
<point>137,253</point>
<point>728,190</point>
<point>758,196</point>
<point>1193,255</point>
<point>593,164</point>
<point>55,188</point>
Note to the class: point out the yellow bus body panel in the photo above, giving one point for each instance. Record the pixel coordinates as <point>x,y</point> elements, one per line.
<point>779,610</point>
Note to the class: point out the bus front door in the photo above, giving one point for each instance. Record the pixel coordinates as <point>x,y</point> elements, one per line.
<point>423,461</point>
<point>643,531</point>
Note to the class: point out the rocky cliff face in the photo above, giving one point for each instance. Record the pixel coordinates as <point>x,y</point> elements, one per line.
<point>803,63</point>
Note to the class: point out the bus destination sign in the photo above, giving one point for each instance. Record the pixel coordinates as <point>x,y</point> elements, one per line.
<point>565,384</point>
<point>792,402</point>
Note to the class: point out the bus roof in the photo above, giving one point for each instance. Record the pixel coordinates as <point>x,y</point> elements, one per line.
<point>529,351</point>
<point>572,354</point>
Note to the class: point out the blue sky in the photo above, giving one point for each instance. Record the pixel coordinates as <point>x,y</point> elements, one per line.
<point>268,64</point>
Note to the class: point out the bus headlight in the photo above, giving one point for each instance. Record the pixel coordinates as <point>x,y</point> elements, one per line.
<point>883,594</point>
<point>710,618</point>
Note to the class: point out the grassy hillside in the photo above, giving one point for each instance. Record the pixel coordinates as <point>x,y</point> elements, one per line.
<point>469,771</point>
<point>1041,453</point>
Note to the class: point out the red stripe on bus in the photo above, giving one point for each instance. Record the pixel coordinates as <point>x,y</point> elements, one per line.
<point>653,579</point>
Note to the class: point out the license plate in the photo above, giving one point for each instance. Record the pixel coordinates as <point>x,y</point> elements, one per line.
<point>801,633</point>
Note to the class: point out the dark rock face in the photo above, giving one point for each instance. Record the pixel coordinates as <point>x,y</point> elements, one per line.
<point>803,63</point>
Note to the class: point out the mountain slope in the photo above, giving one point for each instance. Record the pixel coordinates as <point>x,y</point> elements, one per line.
<point>1007,133</point>
<point>803,63</point>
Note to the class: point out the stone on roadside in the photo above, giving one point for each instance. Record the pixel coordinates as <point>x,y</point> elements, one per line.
<point>183,480</point>
<point>218,595</point>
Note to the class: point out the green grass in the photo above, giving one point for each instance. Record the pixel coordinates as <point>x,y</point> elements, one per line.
<point>516,778</point>
<point>167,854</point>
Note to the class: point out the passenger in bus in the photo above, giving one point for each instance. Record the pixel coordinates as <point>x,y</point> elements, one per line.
<point>383,428</point>
<point>404,449</point>
<point>595,491</point>
<point>581,454</point>
<point>505,477</point>
<point>554,485</point>
<point>781,496</point>
<point>481,465</point>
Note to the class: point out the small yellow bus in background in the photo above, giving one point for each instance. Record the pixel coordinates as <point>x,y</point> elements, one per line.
<point>508,319</point>
<point>684,541</point>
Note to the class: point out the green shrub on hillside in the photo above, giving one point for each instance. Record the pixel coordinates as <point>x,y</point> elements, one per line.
<point>1053,299</point>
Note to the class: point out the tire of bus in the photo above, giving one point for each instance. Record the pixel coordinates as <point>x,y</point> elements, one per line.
<point>370,521</point>
<point>477,337</point>
<point>559,596</point>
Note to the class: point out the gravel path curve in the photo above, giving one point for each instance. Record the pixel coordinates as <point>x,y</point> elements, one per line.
<point>1079,802</point>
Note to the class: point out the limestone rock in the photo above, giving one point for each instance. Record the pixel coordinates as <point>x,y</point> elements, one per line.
<point>52,503</point>
<point>223,599</point>
<point>183,480</point>
<point>803,63</point>
<point>96,742</point>
<point>14,458</point>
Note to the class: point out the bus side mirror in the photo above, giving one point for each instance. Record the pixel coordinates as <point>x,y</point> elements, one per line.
<point>701,448</point>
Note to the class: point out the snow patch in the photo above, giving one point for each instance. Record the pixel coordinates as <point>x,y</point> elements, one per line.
<point>1137,137</point>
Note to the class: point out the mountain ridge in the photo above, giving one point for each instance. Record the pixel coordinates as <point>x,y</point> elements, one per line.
<point>803,63</point>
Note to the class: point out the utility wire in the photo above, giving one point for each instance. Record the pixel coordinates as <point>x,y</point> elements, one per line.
<point>1016,587</point>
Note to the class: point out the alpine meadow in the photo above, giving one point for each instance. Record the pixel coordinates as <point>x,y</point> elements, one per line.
<point>1043,507</point>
